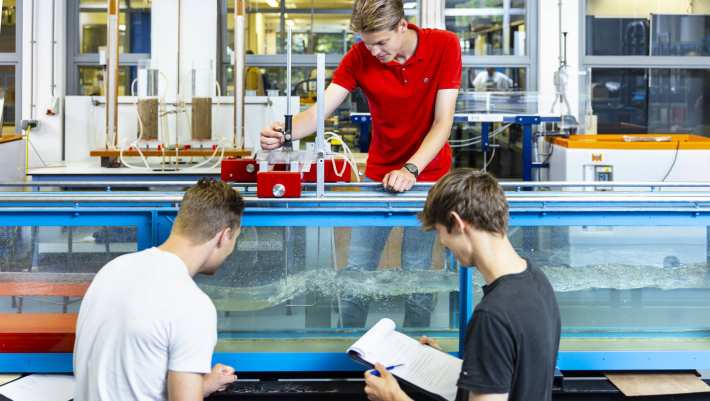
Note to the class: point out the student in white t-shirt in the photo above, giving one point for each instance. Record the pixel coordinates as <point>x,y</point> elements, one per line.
<point>145,330</point>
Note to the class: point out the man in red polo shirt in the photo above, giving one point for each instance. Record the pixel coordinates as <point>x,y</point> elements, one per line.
<point>411,78</point>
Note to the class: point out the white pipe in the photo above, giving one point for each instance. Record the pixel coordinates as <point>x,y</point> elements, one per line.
<point>288,70</point>
<point>320,127</point>
<point>33,49</point>
<point>112,73</point>
<point>239,54</point>
<point>54,44</point>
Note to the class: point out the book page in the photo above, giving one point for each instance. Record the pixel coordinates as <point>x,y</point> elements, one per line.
<point>40,388</point>
<point>423,366</point>
<point>373,339</point>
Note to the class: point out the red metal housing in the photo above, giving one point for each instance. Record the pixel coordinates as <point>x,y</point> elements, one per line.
<point>239,170</point>
<point>278,184</point>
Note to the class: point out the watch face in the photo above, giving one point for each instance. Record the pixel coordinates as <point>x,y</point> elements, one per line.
<point>412,169</point>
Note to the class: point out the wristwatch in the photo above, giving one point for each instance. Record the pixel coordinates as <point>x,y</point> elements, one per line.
<point>412,168</point>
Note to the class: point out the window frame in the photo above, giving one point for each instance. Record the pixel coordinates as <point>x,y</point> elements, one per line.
<point>279,60</point>
<point>14,59</point>
<point>529,61</point>
<point>76,59</point>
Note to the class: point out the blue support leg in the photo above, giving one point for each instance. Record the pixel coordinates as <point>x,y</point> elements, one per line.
<point>485,133</point>
<point>465,303</point>
<point>364,123</point>
<point>527,152</point>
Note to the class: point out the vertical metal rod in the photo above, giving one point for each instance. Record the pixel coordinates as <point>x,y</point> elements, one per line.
<point>33,45</point>
<point>193,82</point>
<point>288,118</point>
<point>179,55</point>
<point>288,70</point>
<point>234,71</point>
<point>178,99</point>
<point>506,27</point>
<point>282,23</point>
<point>320,127</point>
<point>238,67</point>
<point>239,54</point>
<point>112,72</point>
<point>559,25</point>
<point>53,43</point>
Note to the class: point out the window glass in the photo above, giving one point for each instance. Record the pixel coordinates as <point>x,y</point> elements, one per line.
<point>640,27</point>
<point>7,99</point>
<point>655,100</point>
<point>91,80</point>
<point>491,90</point>
<point>487,28</point>
<point>133,29</point>
<point>8,26</point>
<point>317,26</point>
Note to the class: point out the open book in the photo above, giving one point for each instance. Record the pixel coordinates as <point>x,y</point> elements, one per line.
<point>427,368</point>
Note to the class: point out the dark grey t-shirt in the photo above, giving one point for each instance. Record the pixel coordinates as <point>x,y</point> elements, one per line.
<point>512,341</point>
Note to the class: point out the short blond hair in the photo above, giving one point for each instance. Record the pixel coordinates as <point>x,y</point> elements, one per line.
<point>376,15</point>
<point>207,208</point>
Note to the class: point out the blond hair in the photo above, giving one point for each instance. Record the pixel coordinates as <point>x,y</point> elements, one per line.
<point>475,196</point>
<point>376,15</point>
<point>207,208</point>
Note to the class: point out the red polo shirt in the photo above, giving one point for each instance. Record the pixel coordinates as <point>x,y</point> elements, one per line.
<point>402,99</point>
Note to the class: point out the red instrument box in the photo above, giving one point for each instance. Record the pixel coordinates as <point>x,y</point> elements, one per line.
<point>278,184</point>
<point>330,172</point>
<point>239,170</point>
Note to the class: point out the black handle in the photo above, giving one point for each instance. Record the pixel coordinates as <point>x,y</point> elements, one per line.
<point>288,136</point>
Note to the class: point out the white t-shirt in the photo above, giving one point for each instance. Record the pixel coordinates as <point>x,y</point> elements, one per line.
<point>141,316</point>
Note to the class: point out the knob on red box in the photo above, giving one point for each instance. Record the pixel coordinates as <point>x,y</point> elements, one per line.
<point>239,170</point>
<point>278,184</point>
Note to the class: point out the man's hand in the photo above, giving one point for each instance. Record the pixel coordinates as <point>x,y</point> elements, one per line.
<point>399,180</point>
<point>424,340</point>
<point>383,388</point>
<point>218,379</point>
<point>272,137</point>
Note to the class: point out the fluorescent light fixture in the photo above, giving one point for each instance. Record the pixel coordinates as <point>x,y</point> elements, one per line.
<point>272,3</point>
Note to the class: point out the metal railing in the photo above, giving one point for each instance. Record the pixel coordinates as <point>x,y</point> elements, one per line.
<point>516,185</point>
<point>169,192</point>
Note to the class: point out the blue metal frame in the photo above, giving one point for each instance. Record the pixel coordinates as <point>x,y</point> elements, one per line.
<point>256,362</point>
<point>527,122</point>
<point>465,304</point>
<point>154,220</point>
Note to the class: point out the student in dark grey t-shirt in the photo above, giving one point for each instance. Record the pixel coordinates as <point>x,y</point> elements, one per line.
<point>511,344</point>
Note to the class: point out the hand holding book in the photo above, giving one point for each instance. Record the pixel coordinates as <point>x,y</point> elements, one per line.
<point>380,385</point>
<point>422,365</point>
